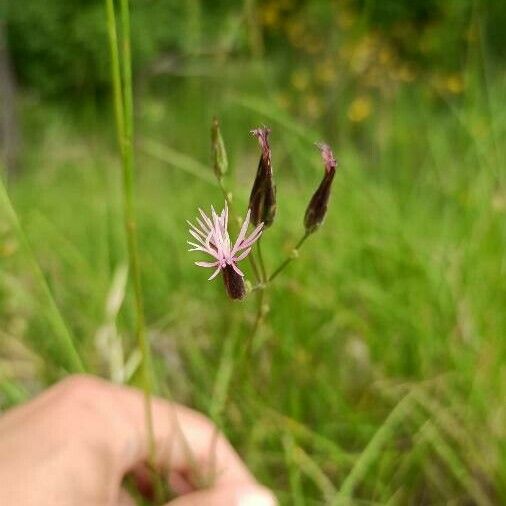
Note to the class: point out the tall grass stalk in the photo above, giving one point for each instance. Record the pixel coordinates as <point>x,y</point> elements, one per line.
<point>123,105</point>
<point>63,336</point>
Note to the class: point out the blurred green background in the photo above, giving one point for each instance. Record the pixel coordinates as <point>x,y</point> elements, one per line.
<point>380,377</point>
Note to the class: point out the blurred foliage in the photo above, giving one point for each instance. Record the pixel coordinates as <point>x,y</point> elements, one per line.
<point>59,46</point>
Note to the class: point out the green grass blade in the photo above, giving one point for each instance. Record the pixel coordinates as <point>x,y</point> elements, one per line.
<point>62,336</point>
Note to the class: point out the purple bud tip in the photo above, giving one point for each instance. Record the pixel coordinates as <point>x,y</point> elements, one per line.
<point>262,134</point>
<point>327,156</point>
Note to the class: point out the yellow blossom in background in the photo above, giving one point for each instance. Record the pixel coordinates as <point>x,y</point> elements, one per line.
<point>300,79</point>
<point>326,71</point>
<point>385,55</point>
<point>452,83</point>
<point>8,245</point>
<point>360,109</point>
<point>313,106</point>
<point>405,73</point>
<point>499,202</point>
<point>8,248</point>
<point>295,30</point>
<point>270,15</point>
<point>363,53</point>
<point>455,84</point>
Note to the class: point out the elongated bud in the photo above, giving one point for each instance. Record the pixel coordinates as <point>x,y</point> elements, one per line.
<point>317,207</point>
<point>262,201</point>
<point>234,283</point>
<point>220,160</point>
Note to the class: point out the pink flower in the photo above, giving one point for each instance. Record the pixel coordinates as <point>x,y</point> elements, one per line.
<point>212,237</point>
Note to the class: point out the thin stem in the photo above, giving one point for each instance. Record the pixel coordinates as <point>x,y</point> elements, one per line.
<point>261,260</point>
<point>115,73</point>
<point>63,335</point>
<point>123,104</point>
<point>258,320</point>
<point>262,310</point>
<point>254,266</point>
<point>225,192</point>
<point>288,260</point>
<point>128,174</point>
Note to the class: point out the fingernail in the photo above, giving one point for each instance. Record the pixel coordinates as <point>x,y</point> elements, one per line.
<point>257,497</point>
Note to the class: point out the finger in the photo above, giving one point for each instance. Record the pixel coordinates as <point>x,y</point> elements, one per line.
<point>125,499</point>
<point>114,416</point>
<point>227,496</point>
<point>184,440</point>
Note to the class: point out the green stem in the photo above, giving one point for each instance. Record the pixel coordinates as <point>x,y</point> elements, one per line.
<point>63,335</point>
<point>115,74</point>
<point>290,259</point>
<point>261,260</point>
<point>262,310</point>
<point>123,104</point>
<point>258,320</point>
<point>226,194</point>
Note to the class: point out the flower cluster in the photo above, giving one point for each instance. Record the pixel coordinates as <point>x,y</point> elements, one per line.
<point>211,235</point>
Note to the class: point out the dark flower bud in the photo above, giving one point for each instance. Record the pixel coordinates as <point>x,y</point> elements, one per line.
<point>234,283</point>
<point>262,201</point>
<point>220,160</point>
<point>317,207</point>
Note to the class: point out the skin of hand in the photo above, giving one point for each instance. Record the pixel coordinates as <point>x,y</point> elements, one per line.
<point>74,443</point>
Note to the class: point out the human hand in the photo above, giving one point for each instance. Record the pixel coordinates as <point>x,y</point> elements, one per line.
<point>74,444</point>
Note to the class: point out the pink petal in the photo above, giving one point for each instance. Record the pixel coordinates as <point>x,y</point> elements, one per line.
<point>204,249</point>
<point>207,264</point>
<point>236,269</point>
<point>196,229</point>
<point>215,273</point>
<point>224,217</point>
<point>203,226</point>
<point>242,256</point>
<point>219,233</point>
<point>213,249</point>
<point>207,221</point>
<point>252,238</point>
<point>197,237</point>
<point>242,233</point>
<point>196,247</point>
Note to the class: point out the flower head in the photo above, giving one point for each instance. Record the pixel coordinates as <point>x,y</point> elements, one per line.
<point>262,201</point>
<point>317,207</point>
<point>211,236</point>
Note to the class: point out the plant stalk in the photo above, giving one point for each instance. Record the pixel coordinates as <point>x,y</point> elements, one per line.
<point>263,270</point>
<point>290,259</point>
<point>123,106</point>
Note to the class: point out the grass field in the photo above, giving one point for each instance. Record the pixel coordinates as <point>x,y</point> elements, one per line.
<point>378,375</point>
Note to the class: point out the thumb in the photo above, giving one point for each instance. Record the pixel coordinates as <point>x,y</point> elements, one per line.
<point>231,495</point>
